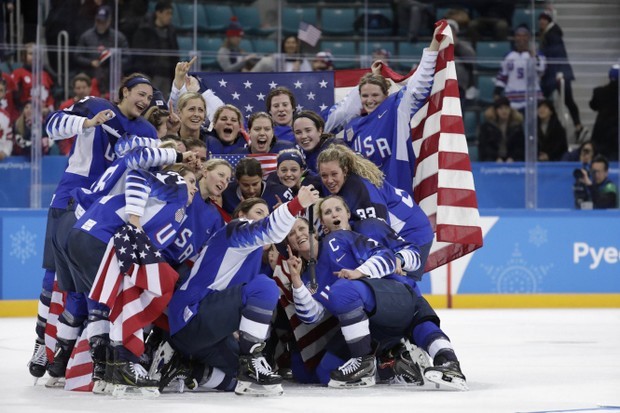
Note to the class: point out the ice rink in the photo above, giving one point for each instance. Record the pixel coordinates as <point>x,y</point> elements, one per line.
<point>515,361</point>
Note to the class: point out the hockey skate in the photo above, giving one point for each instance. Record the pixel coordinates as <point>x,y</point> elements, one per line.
<point>57,368</point>
<point>357,372</point>
<point>401,361</point>
<point>255,377</point>
<point>179,371</point>
<point>132,380</point>
<point>98,353</point>
<point>38,362</point>
<point>447,374</point>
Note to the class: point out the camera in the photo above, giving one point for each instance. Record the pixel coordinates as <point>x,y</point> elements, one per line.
<point>577,173</point>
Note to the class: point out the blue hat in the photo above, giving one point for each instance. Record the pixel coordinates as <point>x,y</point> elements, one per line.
<point>103,13</point>
<point>613,72</point>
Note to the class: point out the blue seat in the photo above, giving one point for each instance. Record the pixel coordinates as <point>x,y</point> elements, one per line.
<point>185,43</point>
<point>344,52</point>
<point>372,46</point>
<point>218,17</point>
<point>249,19</point>
<point>525,16</point>
<point>338,21</point>
<point>265,46</point>
<point>486,86</point>
<point>291,16</point>
<point>491,53</point>
<point>209,46</point>
<point>409,54</point>
<point>380,21</point>
<point>470,122</point>
<point>246,45</point>
<point>185,13</point>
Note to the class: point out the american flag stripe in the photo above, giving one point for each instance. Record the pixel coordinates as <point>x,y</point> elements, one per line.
<point>78,376</point>
<point>57,306</point>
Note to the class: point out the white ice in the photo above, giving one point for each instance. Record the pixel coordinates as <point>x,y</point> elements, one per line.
<point>515,361</point>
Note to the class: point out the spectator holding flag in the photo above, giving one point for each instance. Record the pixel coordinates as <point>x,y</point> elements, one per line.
<point>292,59</point>
<point>99,40</point>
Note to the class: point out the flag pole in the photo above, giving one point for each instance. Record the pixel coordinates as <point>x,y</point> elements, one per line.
<point>312,260</point>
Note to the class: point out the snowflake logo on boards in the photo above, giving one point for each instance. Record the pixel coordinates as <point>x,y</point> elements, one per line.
<point>538,236</point>
<point>22,244</point>
<point>517,276</point>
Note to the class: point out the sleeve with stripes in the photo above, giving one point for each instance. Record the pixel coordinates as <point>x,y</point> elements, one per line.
<point>146,158</point>
<point>137,193</point>
<point>307,308</point>
<point>379,261</point>
<point>342,112</point>
<point>410,258</point>
<point>63,125</point>
<point>419,85</point>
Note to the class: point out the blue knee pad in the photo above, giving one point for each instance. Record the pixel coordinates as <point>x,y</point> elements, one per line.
<point>261,291</point>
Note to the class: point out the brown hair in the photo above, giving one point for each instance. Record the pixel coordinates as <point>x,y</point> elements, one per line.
<point>280,90</point>
<point>247,204</point>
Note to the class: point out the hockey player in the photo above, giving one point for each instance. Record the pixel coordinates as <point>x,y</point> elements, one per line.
<point>153,203</point>
<point>225,293</point>
<point>381,132</point>
<point>369,195</point>
<point>98,124</point>
<point>335,215</point>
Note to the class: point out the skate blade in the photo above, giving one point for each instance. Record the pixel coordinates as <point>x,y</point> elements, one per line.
<point>124,391</point>
<point>400,380</point>
<point>99,386</point>
<point>245,388</point>
<point>109,388</point>
<point>55,383</point>
<point>365,382</point>
<point>451,382</point>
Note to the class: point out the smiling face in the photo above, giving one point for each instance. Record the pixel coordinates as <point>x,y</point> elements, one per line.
<point>193,114</point>
<point>289,173</point>
<point>136,100</point>
<point>281,109</point>
<point>372,96</point>
<point>261,135</point>
<point>334,215</point>
<point>190,181</point>
<point>250,186</point>
<point>332,175</point>
<point>298,238</point>
<point>307,135</point>
<point>258,211</point>
<point>227,126</point>
<point>215,181</point>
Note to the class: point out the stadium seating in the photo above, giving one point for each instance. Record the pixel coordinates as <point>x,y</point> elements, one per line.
<point>491,53</point>
<point>338,21</point>
<point>486,85</point>
<point>218,17</point>
<point>249,19</point>
<point>265,46</point>
<point>292,16</point>
<point>344,50</point>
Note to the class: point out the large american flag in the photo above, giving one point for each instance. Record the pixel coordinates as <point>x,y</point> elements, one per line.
<point>136,283</point>
<point>443,184</point>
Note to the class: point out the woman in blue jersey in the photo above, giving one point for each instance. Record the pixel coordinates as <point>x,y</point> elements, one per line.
<point>292,172</point>
<point>153,203</point>
<point>309,128</point>
<point>334,215</point>
<point>381,132</point>
<point>369,195</point>
<point>97,124</point>
<point>225,293</point>
<point>226,135</point>
<point>262,139</point>
<point>281,104</point>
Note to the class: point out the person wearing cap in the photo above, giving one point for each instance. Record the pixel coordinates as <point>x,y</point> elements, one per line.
<point>511,80</point>
<point>292,172</point>
<point>552,47</point>
<point>501,137</point>
<point>99,40</point>
<point>323,61</point>
<point>230,56</point>
<point>156,32</point>
<point>605,102</point>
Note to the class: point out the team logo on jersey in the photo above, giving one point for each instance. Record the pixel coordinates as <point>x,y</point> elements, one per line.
<point>350,134</point>
<point>179,215</point>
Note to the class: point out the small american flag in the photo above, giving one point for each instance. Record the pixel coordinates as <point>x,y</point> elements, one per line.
<point>57,306</point>
<point>268,161</point>
<point>308,33</point>
<point>136,283</point>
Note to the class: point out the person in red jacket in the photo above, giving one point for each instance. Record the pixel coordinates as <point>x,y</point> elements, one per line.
<point>23,78</point>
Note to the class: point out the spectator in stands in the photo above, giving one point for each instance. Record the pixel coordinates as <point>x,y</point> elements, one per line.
<point>490,19</point>
<point>7,101</point>
<point>511,81</point>
<point>156,32</point>
<point>605,102</point>
<point>552,143</point>
<point>291,60</point>
<point>6,127</point>
<point>99,39</point>
<point>82,87</point>
<point>323,61</point>
<point>552,47</point>
<point>584,154</point>
<point>5,6</point>
<point>602,192</point>
<point>87,14</point>
<point>230,56</point>
<point>22,76</point>
<point>501,137</point>
<point>23,135</point>
<point>131,13</point>
<point>415,17</point>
